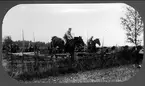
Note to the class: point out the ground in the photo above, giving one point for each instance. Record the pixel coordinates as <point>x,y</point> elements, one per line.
<point>118,74</point>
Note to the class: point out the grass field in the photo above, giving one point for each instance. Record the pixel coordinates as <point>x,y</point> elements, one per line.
<point>116,74</point>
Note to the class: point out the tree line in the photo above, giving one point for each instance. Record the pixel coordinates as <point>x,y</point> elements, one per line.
<point>7,42</point>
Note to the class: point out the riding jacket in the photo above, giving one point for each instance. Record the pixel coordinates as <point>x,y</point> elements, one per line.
<point>69,36</point>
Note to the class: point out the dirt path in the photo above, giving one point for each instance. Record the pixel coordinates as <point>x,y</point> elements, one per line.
<point>118,74</point>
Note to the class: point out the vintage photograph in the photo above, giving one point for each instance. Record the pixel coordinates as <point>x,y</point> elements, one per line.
<point>72,43</point>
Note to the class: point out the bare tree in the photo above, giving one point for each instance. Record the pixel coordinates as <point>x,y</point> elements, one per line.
<point>133,24</point>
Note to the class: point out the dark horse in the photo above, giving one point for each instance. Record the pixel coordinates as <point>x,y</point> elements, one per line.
<point>57,45</point>
<point>72,44</point>
<point>92,45</point>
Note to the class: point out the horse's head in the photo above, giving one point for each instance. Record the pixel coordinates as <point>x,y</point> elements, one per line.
<point>79,40</point>
<point>97,41</point>
<point>53,38</point>
<point>113,48</point>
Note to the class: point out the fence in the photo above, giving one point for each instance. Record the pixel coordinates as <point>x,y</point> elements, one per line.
<point>58,62</point>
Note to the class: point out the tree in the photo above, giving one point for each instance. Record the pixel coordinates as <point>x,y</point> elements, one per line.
<point>133,24</point>
<point>8,40</point>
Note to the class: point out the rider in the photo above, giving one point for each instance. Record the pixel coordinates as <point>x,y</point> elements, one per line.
<point>90,40</point>
<point>68,35</point>
<point>67,38</point>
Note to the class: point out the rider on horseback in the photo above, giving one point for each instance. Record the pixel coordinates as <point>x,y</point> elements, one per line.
<point>90,40</point>
<point>68,38</point>
<point>68,35</point>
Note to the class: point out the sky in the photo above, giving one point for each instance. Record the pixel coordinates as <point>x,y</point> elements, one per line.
<point>43,21</point>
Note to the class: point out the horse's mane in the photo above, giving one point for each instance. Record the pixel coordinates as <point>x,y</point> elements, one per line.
<point>97,41</point>
<point>54,37</point>
<point>79,38</point>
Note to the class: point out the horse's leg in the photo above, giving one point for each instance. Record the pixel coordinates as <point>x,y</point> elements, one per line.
<point>66,49</point>
<point>72,57</point>
<point>71,60</point>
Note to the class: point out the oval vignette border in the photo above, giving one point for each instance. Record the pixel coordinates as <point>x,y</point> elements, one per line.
<point>6,80</point>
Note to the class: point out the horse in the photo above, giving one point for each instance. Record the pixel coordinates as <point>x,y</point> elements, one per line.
<point>92,45</point>
<point>79,46</point>
<point>73,44</point>
<point>57,45</point>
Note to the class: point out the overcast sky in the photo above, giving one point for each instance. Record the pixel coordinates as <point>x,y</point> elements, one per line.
<point>46,20</point>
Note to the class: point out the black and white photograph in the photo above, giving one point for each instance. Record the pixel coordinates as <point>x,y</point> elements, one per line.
<point>72,43</point>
